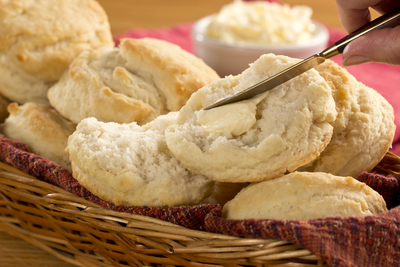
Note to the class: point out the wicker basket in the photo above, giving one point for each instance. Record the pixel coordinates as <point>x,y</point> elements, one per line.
<point>81,233</point>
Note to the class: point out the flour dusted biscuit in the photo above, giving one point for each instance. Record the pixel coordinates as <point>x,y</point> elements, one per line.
<point>126,164</point>
<point>39,39</point>
<point>138,81</point>
<point>41,128</point>
<point>256,139</point>
<point>363,130</point>
<point>304,196</point>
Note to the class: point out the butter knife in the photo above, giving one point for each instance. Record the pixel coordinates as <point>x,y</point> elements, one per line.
<point>390,19</point>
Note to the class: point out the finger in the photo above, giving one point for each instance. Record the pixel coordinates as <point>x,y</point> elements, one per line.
<point>385,6</point>
<point>354,14</point>
<point>378,46</point>
<point>353,19</point>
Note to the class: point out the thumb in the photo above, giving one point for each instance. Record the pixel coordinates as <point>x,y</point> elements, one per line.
<point>378,46</point>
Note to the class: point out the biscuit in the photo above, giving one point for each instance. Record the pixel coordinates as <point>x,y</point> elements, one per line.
<point>41,128</point>
<point>363,130</point>
<point>39,39</point>
<point>305,196</point>
<point>127,164</point>
<point>138,81</point>
<point>291,126</point>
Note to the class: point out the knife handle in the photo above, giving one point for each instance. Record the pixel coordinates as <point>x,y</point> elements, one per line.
<point>390,19</point>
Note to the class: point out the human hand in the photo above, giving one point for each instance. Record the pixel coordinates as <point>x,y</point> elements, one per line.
<point>378,46</point>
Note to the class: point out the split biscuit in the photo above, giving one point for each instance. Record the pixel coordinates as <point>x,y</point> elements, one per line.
<point>138,81</point>
<point>127,164</point>
<point>288,127</point>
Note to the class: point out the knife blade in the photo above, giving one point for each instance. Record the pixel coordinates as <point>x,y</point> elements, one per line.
<point>390,19</point>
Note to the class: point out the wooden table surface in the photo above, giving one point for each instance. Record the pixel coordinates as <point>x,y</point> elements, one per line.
<point>124,15</point>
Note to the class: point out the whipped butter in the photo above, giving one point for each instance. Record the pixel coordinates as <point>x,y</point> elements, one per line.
<point>262,23</point>
<point>235,118</point>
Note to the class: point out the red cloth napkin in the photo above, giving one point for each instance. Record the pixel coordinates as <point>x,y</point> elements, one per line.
<point>383,78</point>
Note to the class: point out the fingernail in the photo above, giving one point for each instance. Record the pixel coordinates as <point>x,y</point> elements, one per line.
<point>355,60</point>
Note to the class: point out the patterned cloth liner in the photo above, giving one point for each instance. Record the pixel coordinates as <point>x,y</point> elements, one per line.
<point>340,241</point>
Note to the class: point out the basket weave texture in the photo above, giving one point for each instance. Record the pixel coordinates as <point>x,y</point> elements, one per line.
<point>43,204</point>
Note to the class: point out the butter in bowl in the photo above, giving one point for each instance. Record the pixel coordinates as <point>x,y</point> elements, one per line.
<point>243,31</point>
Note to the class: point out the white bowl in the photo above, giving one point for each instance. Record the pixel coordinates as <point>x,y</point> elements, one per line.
<point>228,59</point>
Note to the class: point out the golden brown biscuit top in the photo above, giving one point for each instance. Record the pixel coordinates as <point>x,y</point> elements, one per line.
<point>38,34</point>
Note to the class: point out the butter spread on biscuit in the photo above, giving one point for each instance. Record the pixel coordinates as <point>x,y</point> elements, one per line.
<point>235,118</point>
